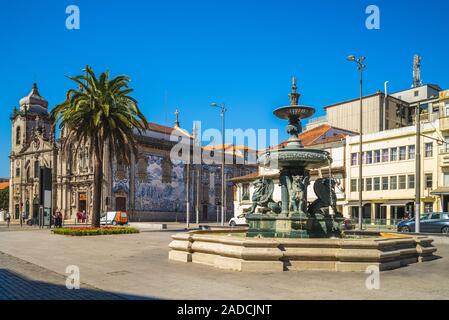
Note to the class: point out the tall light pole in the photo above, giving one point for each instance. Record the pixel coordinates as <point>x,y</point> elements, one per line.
<point>361,67</point>
<point>223,202</point>
<point>418,169</point>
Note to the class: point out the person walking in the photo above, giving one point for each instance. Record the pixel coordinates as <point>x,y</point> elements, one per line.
<point>78,217</point>
<point>60,219</point>
<point>8,218</point>
<point>23,218</point>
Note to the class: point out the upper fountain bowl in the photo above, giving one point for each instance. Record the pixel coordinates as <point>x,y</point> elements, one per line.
<point>298,112</point>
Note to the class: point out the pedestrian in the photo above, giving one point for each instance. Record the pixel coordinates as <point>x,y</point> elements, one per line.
<point>8,218</point>
<point>78,216</point>
<point>23,218</point>
<point>60,219</point>
<point>84,216</point>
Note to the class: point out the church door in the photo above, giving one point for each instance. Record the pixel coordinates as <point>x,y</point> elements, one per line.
<point>120,203</point>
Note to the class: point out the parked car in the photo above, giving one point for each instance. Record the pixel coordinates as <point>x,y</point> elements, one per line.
<point>347,224</point>
<point>433,222</point>
<point>238,221</point>
<point>114,218</point>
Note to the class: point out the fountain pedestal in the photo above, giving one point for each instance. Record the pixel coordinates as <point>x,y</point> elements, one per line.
<point>294,226</point>
<point>296,219</point>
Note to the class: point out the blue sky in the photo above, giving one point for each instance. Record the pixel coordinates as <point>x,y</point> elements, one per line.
<point>187,54</point>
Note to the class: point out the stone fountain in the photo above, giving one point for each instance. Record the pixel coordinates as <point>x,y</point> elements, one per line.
<point>293,234</point>
<point>293,217</point>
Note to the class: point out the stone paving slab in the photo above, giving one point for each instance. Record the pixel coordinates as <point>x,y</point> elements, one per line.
<point>21,280</point>
<point>138,265</point>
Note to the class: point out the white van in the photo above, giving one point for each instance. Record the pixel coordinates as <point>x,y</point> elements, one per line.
<point>240,220</point>
<point>114,218</point>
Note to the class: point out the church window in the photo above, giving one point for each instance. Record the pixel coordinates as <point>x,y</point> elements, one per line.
<point>166,170</point>
<point>18,133</point>
<point>36,168</point>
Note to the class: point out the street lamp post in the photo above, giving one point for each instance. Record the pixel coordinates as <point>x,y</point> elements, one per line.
<point>418,169</point>
<point>223,203</point>
<point>361,67</point>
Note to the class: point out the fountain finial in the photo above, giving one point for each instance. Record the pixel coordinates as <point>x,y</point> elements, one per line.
<point>294,96</point>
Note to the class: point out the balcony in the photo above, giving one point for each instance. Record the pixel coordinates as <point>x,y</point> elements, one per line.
<point>444,123</point>
<point>444,157</point>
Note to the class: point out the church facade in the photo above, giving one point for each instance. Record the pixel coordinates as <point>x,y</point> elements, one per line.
<point>152,188</point>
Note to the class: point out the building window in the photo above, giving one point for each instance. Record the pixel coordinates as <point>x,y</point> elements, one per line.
<point>167,169</point>
<point>429,180</point>
<point>364,157</point>
<point>17,172</point>
<point>393,154</point>
<point>369,157</point>
<point>353,185</point>
<point>402,153</point>
<point>428,147</point>
<point>245,191</point>
<point>446,144</point>
<point>36,168</point>
<point>402,182</point>
<point>18,133</point>
<point>376,156</point>
<point>376,184</point>
<point>384,155</point>
<point>411,152</point>
<point>416,93</point>
<point>384,183</point>
<point>428,206</point>
<point>411,181</point>
<point>354,157</point>
<point>393,183</point>
<point>369,184</point>
<point>446,179</point>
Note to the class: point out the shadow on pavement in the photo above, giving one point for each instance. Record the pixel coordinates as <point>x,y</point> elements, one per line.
<point>16,287</point>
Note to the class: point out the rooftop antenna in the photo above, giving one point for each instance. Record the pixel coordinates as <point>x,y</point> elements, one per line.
<point>417,71</point>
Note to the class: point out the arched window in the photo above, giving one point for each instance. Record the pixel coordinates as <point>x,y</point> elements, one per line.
<point>36,168</point>
<point>18,132</point>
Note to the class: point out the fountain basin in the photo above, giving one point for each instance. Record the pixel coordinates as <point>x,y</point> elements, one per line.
<point>295,158</point>
<point>232,250</point>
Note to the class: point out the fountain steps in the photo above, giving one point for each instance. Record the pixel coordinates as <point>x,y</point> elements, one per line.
<point>232,251</point>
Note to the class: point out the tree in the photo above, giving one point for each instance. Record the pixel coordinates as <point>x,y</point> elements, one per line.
<point>100,113</point>
<point>4,199</point>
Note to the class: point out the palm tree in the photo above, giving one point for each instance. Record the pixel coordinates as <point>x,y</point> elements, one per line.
<point>100,113</point>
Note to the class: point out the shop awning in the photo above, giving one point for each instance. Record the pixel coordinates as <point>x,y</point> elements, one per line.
<point>356,203</point>
<point>440,191</point>
<point>397,203</point>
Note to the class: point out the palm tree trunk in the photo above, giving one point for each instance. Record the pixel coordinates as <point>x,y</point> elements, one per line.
<point>97,190</point>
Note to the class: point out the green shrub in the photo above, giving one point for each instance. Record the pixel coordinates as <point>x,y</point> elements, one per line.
<point>90,231</point>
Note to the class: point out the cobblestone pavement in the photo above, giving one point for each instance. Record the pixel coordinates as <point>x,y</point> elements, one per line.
<point>21,280</point>
<point>136,265</point>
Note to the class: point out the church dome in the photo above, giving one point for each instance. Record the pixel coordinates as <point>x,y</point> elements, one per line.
<point>34,102</point>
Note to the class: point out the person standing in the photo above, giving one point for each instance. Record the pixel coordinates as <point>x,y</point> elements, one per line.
<point>8,218</point>
<point>78,216</point>
<point>60,219</point>
<point>23,218</point>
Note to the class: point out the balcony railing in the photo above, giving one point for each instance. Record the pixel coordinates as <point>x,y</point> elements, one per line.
<point>444,123</point>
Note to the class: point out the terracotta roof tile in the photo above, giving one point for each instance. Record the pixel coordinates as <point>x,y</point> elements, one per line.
<point>4,185</point>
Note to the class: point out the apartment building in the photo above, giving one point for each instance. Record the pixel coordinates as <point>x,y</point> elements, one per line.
<point>389,173</point>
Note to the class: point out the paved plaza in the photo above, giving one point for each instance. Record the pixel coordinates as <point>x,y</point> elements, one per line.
<point>33,265</point>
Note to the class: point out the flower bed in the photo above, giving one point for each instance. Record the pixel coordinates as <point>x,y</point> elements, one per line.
<point>91,231</point>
